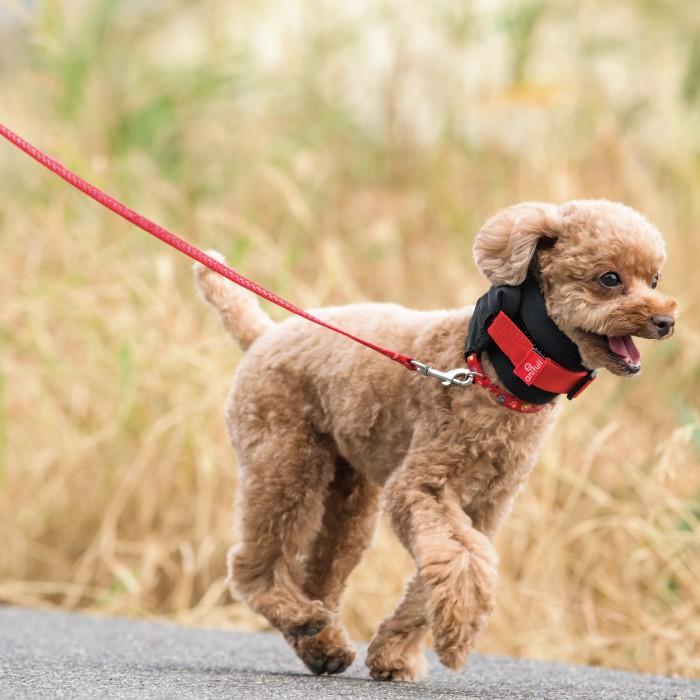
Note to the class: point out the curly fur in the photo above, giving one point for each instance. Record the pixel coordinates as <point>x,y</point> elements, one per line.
<point>323,427</point>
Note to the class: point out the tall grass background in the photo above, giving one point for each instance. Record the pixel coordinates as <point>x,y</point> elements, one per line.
<point>336,152</point>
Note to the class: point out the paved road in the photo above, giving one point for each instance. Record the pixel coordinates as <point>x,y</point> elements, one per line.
<point>56,655</point>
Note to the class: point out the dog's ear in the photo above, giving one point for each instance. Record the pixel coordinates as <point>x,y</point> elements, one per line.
<point>506,243</point>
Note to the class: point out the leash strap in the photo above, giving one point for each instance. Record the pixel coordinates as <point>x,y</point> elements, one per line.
<point>183,246</point>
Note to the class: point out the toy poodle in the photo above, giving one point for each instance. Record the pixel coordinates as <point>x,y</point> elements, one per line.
<point>327,432</point>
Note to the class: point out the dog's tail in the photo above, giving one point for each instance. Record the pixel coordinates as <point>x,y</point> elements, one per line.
<point>239,309</point>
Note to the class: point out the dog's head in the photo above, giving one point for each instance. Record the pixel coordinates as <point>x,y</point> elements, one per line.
<point>598,264</point>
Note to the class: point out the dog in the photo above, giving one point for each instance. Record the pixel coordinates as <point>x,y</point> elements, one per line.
<point>327,431</point>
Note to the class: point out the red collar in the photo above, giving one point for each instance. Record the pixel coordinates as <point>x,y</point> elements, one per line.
<point>530,365</point>
<point>502,396</point>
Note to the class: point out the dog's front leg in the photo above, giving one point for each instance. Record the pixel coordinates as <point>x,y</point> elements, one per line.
<point>395,652</point>
<point>456,562</point>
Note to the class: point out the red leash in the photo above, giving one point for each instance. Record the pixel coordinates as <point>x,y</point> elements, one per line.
<point>462,376</point>
<point>183,246</point>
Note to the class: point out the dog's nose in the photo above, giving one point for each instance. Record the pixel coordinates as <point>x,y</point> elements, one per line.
<point>663,324</point>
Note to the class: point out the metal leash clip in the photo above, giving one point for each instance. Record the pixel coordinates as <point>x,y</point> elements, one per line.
<point>461,375</point>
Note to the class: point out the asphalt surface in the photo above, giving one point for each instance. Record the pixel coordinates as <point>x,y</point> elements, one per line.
<point>57,655</point>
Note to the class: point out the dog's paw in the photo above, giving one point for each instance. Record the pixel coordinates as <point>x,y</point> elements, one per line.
<point>453,637</point>
<point>309,628</point>
<point>455,654</point>
<point>386,664</point>
<point>329,651</point>
<point>313,620</point>
<point>400,670</point>
<point>461,600</point>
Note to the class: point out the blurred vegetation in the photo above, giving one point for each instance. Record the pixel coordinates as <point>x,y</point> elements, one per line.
<point>335,152</point>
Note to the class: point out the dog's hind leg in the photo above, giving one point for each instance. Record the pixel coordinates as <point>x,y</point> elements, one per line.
<point>349,518</point>
<point>350,513</point>
<point>285,468</point>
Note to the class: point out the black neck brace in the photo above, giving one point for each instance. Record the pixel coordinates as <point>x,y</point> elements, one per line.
<point>524,305</point>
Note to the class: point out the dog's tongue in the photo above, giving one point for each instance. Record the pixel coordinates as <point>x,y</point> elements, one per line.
<point>624,346</point>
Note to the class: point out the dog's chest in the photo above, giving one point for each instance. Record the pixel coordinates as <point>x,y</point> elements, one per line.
<point>497,456</point>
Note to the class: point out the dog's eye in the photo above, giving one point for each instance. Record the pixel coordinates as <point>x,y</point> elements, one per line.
<point>655,281</point>
<point>610,279</point>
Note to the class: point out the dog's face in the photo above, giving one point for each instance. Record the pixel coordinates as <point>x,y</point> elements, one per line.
<point>599,264</point>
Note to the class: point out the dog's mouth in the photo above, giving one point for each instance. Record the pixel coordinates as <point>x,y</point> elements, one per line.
<point>623,347</point>
<point>617,353</point>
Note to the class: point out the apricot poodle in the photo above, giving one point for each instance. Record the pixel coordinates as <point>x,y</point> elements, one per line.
<point>327,432</point>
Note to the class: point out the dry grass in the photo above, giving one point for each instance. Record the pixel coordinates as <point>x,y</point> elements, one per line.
<point>335,156</point>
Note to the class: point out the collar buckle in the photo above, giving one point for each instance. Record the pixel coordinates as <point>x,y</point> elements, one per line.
<point>585,382</point>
